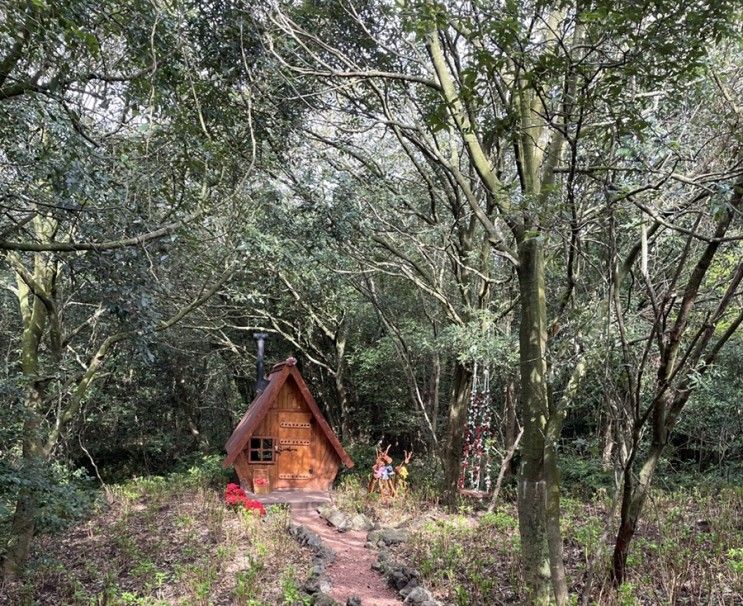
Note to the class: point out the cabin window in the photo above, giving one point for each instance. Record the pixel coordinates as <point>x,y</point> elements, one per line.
<point>261,450</point>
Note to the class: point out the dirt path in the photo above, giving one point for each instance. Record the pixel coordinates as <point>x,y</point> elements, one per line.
<point>350,573</point>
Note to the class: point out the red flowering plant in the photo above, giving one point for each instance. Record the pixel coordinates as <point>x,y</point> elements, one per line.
<point>234,496</point>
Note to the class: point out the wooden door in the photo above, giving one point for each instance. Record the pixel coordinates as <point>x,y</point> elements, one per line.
<point>294,450</point>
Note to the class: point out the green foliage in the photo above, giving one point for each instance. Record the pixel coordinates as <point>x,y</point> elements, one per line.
<point>710,436</point>
<point>460,556</point>
<point>626,595</point>
<point>169,536</point>
<point>363,454</point>
<point>382,386</point>
<point>735,560</point>
<point>583,474</point>
<point>64,496</point>
<point>352,492</point>
<point>352,238</point>
<point>291,593</point>
<point>500,520</point>
<point>205,471</point>
<point>588,536</point>
<point>481,341</point>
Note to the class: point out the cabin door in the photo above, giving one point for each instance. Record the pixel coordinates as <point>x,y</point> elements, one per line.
<point>294,450</point>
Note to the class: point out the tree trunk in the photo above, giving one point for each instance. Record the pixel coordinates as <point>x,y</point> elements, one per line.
<point>340,384</point>
<point>34,315</point>
<point>21,535</point>
<point>458,411</point>
<point>509,414</point>
<point>608,440</point>
<point>434,391</point>
<point>552,516</point>
<point>633,499</point>
<point>532,486</point>
<point>24,517</point>
<point>558,411</point>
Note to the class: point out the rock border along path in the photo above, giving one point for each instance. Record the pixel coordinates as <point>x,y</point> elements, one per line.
<point>350,573</point>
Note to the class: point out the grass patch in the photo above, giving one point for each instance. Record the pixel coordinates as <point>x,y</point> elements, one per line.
<point>687,551</point>
<point>166,540</point>
<point>466,559</point>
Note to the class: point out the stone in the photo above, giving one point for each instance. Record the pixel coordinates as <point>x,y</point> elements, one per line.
<point>335,517</point>
<point>407,590</point>
<point>323,599</point>
<point>420,597</point>
<point>382,563</point>
<point>360,522</point>
<point>326,554</point>
<point>312,586</point>
<point>353,601</point>
<point>399,578</point>
<point>318,583</point>
<point>388,536</point>
<point>305,536</point>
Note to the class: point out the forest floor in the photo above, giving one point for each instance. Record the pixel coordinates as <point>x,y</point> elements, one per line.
<point>688,549</point>
<point>158,541</point>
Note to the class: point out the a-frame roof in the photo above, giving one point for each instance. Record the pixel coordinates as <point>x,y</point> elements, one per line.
<point>280,373</point>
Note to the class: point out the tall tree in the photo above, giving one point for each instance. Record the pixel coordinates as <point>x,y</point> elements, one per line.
<point>504,100</point>
<point>113,149</point>
<point>674,300</point>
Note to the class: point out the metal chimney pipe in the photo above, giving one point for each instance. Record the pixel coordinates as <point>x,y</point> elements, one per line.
<point>260,382</point>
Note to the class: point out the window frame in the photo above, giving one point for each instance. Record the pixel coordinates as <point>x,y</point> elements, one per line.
<point>262,450</point>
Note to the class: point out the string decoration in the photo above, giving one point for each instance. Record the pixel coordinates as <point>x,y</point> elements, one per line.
<point>476,469</point>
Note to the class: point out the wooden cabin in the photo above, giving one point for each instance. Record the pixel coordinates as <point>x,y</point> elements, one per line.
<point>284,436</point>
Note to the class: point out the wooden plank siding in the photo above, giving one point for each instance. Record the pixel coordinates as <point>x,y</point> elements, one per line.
<point>306,451</point>
<point>303,458</point>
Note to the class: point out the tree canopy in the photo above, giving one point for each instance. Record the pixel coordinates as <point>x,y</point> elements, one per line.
<point>415,199</point>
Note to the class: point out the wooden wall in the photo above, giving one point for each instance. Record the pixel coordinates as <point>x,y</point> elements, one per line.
<point>319,456</point>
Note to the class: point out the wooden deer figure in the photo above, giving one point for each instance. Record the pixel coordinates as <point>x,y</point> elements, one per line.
<point>382,472</point>
<point>401,472</point>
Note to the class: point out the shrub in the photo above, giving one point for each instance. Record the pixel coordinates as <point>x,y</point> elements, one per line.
<point>582,475</point>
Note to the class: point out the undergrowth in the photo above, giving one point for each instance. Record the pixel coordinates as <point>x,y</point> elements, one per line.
<point>167,540</point>
<point>687,550</point>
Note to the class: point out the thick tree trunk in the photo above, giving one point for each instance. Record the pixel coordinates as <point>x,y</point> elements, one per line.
<point>552,513</point>
<point>532,486</point>
<point>21,535</point>
<point>558,410</point>
<point>458,411</point>
<point>34,315</point>
<point>554,536</point>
